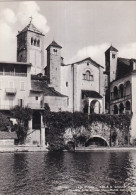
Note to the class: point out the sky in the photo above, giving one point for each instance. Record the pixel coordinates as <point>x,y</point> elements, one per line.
<point>83,28</point>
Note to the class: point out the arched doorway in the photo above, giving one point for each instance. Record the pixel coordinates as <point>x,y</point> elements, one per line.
<point>36,120</point>
<point>85,108</point>
<point>95,107</point>
<point>96,141</point>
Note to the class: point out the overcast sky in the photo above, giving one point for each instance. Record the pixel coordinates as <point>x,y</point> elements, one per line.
<point>82,28</point>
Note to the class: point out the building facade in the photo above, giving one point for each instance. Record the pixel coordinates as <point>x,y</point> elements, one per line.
<point>120,89</point>
<point>80,86</point>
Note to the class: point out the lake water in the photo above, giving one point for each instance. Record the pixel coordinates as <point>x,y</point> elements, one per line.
<point>68,173</point>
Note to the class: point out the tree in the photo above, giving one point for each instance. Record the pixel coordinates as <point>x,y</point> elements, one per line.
<point>4,122</point>
<point>22,115</point>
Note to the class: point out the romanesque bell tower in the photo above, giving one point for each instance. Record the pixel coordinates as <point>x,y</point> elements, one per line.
<point>30,48</point>
<point>53,69</point>
<point>111,56</point>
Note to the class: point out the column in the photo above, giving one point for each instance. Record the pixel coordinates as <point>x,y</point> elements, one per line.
<point>30,124</point>
<point>88,108</point>
<point>42,132</point>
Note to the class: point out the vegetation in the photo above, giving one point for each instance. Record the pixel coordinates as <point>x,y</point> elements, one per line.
<point>22,115</point>
<point>58,122</point>
<point>5,123</point>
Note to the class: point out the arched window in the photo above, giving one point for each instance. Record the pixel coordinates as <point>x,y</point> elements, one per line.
<point>128,88</point>
<point>121,90</point>
<point>32,40</point>
<point>35,42</point>
<point>121,108</point>
<point>38,43</point>
<point>115,109</point>
<point>128,106</point>
<point>115,92</point>
<point>88,76</point>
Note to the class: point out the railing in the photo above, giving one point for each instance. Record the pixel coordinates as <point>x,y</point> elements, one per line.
<point>13,74</point>
<point>35,106</point>
<point>21,74</point>
<point>10,90</point>
<point>119,97</point>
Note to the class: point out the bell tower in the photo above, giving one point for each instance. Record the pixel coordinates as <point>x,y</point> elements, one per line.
<point>53,69</point>
<point>111,56</point>
<point>30,48</point>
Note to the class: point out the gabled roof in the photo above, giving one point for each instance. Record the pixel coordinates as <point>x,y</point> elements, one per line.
<point>41,86</point>
<point>8,135</point>
<point>32,28</point>
<point>92,94</point>
<point>111,48</point>
<point>88,59</point>
<point>54,44</point>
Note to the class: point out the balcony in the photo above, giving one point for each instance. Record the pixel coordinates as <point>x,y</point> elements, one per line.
<point>35,106</point>
<point>19,74</point>
<point>10,91</point>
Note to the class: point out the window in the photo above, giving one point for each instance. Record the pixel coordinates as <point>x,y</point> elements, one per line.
<point>36,97</point>
<point>21,102</point>
<point>38,43</point>
<point>55,51</point>
<point>113,56</point>
<point>32,41</point>
<point>87,63</point>
<point>66,84</point>
<point>35,42</point>
<point>88,76</point>
<point>22,86</point>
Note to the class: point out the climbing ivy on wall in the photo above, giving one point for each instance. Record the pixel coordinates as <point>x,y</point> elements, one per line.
<point>58,122</point>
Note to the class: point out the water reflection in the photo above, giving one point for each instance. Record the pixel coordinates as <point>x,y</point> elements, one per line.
<point>66,172</point>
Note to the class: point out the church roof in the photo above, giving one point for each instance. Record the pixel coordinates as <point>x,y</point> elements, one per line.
<point>91,94</point>
<point>32,28</point>
<point>88,59</point>
<point>111,48</point>
<point>54,44</point>
<point>41,86</point>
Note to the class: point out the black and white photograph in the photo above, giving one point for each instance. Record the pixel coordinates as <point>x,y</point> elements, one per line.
<point>67,97</point>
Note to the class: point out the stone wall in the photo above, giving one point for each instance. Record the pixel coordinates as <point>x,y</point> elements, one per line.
<point>112,135</point>
<point>33,137</point>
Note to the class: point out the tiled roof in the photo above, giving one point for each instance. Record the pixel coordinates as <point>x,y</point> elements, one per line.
<point>54,44</point>
<point>124,67</point>
<point>88,59</point>
<point>41,86</point>
<point>31,27</point>
<point>92,94</point>
<point>111,48</point>
<point>8,135</point>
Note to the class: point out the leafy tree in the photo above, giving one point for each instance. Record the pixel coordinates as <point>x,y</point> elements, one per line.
<point>4,122</point>
<point>22,115</point>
